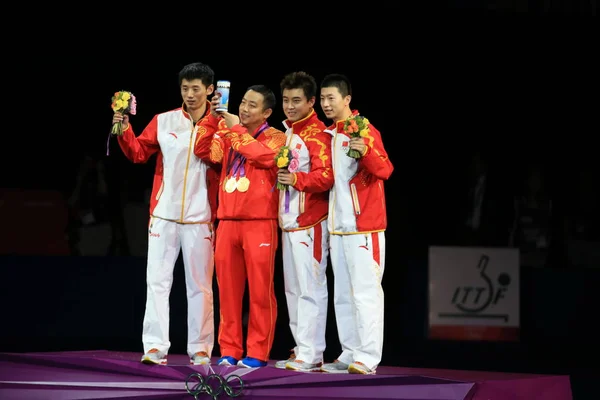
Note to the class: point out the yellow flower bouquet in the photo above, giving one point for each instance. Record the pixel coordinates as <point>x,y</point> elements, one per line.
<point>122,102</point>
<point>287,158</point>
<point>356,126</point>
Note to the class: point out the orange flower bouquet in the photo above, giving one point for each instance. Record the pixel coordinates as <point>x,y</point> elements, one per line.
<point>356,126</point>
<point>122,102</point>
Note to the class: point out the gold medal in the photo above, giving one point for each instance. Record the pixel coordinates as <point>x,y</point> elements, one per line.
<point>243,184</point>
<point>230,185</point>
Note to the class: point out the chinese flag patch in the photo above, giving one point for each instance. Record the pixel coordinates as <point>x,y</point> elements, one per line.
<point>345,144</point>
<point>298,146</point>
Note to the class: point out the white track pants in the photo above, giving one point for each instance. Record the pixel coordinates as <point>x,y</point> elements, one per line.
<point>304,266</point>
<point>165,240</point>
<point>358,262</point>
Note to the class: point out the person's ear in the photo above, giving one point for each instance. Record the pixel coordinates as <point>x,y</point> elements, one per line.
<point>267,113</point>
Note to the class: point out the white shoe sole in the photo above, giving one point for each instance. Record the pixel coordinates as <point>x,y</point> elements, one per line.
<point>315,369</point>
<point>334,371</point>
<point>357,370</point>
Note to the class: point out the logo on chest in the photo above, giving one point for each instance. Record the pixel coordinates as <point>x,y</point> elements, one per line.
<point>345,146</point>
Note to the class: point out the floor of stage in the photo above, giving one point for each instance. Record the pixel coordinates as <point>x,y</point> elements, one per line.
<point>106,374</point>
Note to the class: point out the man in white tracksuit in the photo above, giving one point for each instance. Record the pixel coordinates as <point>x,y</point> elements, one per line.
<point>357,222</point>
<point>303,221</point>
<point>182,213</point>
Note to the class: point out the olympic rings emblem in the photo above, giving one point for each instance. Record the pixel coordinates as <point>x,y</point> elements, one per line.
<point>213,385</point>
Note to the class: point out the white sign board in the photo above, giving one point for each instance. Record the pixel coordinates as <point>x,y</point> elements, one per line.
<point>474,293</point>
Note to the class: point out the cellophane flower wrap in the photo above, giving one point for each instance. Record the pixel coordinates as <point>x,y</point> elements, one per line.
<point>287,158</point>
<point>125,103</point>
<point>356,126</point>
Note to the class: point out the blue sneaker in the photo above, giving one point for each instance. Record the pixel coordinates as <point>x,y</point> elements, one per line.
<point>250,362</point>
<point>227,361</point>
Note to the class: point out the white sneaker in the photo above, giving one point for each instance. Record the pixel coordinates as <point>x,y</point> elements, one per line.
<point>200,358</point>
<point>336,367</point>
<point>281,363</point>
<point>359,368</point>
<point>154,357</point>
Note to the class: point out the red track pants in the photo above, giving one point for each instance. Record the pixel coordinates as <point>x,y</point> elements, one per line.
<point>246,249</point>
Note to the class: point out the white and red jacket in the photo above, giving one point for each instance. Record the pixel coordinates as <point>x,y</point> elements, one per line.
<point>306,202</point>
<point>184,188</point>
<point>357,198</point>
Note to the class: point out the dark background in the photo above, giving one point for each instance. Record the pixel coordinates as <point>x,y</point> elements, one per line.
<point>515,80</point>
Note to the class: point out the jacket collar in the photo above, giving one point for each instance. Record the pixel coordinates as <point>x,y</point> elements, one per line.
<point>299,125</point>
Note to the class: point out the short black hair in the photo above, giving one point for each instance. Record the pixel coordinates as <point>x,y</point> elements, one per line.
<point>300,80</point>
<point>269,97</point>
<point>341,82</point>
<point>197,70</point>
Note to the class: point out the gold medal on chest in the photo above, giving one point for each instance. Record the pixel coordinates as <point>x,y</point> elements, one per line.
<point>230,185</point>
<point>243,183</point>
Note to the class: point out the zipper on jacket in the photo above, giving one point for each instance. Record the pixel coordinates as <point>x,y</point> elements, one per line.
<point>355,198</point>
<point>160,190</point>
<point>187,168</point>
<point>302,199</point>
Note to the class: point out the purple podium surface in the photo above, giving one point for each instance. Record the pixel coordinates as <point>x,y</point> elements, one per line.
<point>106,374</point>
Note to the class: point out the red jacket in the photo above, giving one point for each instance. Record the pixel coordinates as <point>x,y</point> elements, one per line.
<point>306,202</point>
<point>256,153</point>
<point>357,199</point>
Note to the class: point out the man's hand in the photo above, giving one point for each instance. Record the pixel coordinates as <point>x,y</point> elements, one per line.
<point>214,103</point>
<point>285,177</point>
<point>357,143</point>
<point>124,118</point>
<point>230,119</point>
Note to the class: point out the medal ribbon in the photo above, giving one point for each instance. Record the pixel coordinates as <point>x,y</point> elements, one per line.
<point>287,200</point>
<point>238,161</point>
<point>286,195</point>
<point>108,144</point>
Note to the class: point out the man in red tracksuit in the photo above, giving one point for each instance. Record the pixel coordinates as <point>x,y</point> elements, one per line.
<point>247,230</point>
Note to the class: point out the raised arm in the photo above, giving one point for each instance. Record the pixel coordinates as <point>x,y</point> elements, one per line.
<point>210,146</point>
<point>260,154</point>
<point>139,149</point>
